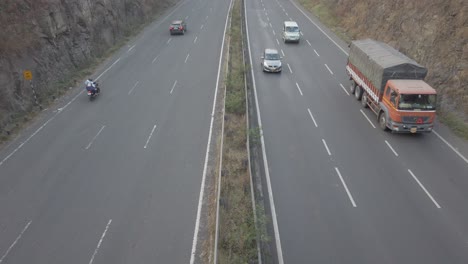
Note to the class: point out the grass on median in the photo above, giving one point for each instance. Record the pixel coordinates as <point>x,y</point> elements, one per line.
<point>237,233</point>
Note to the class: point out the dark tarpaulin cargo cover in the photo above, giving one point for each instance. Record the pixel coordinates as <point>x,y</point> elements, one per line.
<point>379,63</point>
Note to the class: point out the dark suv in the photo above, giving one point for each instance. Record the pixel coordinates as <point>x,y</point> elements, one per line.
<point>178,27</point>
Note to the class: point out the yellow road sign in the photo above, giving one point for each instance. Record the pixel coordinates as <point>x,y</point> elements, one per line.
<point>27,75</point>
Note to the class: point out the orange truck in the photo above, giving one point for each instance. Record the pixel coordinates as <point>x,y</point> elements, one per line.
<point>392,86</point>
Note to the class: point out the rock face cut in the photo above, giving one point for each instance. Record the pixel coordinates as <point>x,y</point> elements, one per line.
<point>55,38</point>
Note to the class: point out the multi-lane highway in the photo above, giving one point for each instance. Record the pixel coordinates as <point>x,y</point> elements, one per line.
<point>343,190</point>
<point>117,180</point>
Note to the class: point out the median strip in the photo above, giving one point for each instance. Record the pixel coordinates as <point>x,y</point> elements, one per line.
<point>237,232</point>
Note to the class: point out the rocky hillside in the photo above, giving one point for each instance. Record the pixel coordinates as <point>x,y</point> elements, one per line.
<point>433,32</point>
<point>56,38</point>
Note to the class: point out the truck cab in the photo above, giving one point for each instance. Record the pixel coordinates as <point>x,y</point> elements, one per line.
<point>408,106</point>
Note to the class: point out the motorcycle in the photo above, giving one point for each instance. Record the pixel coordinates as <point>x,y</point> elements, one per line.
<point>93,91</point>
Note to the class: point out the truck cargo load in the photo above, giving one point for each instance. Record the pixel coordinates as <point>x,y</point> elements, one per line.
<point>379,63</point>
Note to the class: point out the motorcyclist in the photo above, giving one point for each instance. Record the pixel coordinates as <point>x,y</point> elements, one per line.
<point>92,86</point>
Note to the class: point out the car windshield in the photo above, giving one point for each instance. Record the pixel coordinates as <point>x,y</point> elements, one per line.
<point>292,29</point>
<point>272,56</point>
<point>417,102</point>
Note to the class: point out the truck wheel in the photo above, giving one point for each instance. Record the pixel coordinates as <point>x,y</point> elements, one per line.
<point>352,87</point>
<point>383,121</point>
<point>358,92</point>
<point>364,100</point>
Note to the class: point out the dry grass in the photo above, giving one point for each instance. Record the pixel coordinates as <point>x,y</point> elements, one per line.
<point>326,16</point>
<point>455,123</point>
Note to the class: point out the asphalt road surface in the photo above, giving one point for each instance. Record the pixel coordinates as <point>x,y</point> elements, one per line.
<point>345,191</point>
<point>117,180</point>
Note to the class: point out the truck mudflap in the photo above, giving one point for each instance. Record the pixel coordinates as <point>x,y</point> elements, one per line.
<point>409,128</point>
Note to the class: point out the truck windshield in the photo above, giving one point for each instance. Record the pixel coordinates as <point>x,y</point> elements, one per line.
<point>417,102</point>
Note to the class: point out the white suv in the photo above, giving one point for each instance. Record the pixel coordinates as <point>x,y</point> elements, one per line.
<point>291,32</point>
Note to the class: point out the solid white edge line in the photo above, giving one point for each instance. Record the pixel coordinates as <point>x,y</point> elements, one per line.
<point>173,86</point>
<point>150,136</point>
<point>100,75</point>
<point>318,55</point>
<point>134,86</point>
<point>289,67</point>
<point>186,58</point>
<point>329,69</point>
<point>299,88</point>
<point>94,138</point>
<point>100,242</point>
<point>312,117</point>
<point>390,146</point>
<point>74,98</point>
<point>59,110</point>
<point>334,42</point>
<point>424,188</point>
<point>221,148</point>
<point>326,147</point>
<point>344,89</point>
<point>29,138</point>
<point>346,188</point>
<point>308,42</point>
<point>252,191</point>
<point>279,250</point>
<point>450,146</point>
<point>14,242</point>
<point>205,166</point>
<point>364,114</point>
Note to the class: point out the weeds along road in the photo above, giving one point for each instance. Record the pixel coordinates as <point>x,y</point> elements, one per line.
<point>345,191</point>
<point>117,180</point>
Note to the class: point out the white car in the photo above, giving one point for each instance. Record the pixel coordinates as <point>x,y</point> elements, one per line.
<point>271,61</point>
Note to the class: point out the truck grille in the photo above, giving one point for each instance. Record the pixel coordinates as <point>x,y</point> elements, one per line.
<point>415,119</point>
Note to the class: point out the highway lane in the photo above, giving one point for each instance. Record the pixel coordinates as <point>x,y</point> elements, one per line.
<point>86,184</point>
<point>394,221</point>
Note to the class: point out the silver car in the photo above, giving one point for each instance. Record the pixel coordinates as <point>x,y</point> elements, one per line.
<point>271,61</point>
